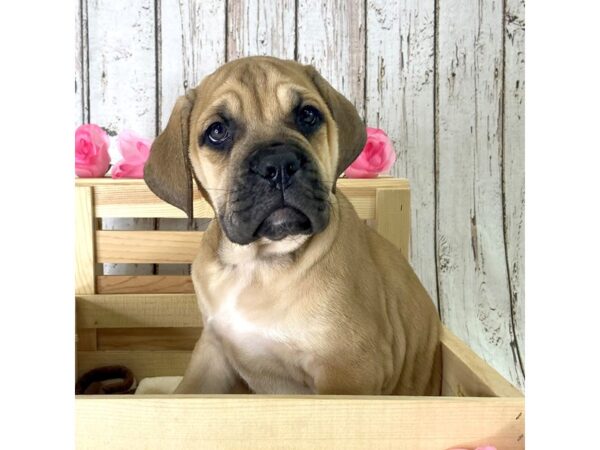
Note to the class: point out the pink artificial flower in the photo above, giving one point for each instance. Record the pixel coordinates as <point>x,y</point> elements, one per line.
<point>377,156</point>
<point>91,151</point>
<point>135,151</point>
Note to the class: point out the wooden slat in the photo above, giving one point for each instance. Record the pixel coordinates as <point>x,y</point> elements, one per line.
<point>132,311</point>
<point>513,158</point>
<point>192,45</point>
<point>474,294</point>
<point>331,36</point>
<point>136,284</point>
<point>86,339</point>
<point>467,375</point>
<point>132,198</point>
<point>84,237</point>
<point>393,217</point>
<point>179,338</point>
<point>147,246</point>
<point>400,100</point>
<point>122,85</point>
<point>260,27</point>
<point>142,363</point>
<point>382,181</point>
<point>79,66</point>
<point>309,422</point>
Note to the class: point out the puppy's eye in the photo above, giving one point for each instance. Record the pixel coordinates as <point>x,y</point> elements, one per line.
<point>217,134</point>
<point>308,119</point>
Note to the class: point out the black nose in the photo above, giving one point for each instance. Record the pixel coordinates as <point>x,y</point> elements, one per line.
<point>278,164</point>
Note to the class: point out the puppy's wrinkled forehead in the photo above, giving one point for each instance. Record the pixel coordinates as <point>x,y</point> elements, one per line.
<point>261,89</point>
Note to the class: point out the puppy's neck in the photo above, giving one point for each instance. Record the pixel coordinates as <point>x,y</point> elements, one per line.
<point>261,251</point>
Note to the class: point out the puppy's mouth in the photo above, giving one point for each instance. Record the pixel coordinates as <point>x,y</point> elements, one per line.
<point>277,192</point>
<point>282,222</point>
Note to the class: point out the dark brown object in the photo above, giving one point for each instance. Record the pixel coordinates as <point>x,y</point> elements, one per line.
<point>106,380</point>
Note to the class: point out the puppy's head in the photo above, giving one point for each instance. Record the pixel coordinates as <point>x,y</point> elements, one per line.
<point>264,140</point>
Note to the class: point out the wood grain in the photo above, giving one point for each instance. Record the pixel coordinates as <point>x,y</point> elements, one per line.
<point>331,37</point>
<point>513,158</point>
<point>259,27</point>
<point>179,338</point>
<point>79,65</point>
<point>85,260</point>
<point>86,339</point>
<point>393,217</point>
<point>309,422</point>
<point>136,200</point>
<point>147,246</point>
<point>122,83</point>
<point>137,311</point>
<point>399,99</point>
<point>133,198</point>
<point>467,375</point>
<point>137,284</point>
<point>474,294</point>
<point>143,363</point>
<point>192,44</point>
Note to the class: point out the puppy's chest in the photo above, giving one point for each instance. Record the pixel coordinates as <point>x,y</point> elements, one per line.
<point>253,327</point>
<point>247,330</point>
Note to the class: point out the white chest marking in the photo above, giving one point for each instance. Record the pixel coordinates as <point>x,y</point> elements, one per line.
<point>232,325</point>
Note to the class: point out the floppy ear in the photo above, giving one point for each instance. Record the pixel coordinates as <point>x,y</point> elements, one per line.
<point>168,171</point>
<point>352,133</point>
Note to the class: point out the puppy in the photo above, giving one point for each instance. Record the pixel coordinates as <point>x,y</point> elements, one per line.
<point>297,294</point>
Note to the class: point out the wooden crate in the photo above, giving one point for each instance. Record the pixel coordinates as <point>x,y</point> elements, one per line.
<point>150,324</point>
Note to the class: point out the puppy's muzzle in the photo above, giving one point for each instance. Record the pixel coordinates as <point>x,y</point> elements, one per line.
<point>279,194</point>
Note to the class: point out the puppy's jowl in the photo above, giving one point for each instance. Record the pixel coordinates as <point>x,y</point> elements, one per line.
<point>297,294</point>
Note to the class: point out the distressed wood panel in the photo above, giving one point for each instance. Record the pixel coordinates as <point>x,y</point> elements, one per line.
<point>399,99</point>
<point>514,163</point>
<point>192,44</point>
<point>331,37</point>
<point>122,83</point>
<point>79,84</point>
<point>259,27</point>
<point>474,293</point>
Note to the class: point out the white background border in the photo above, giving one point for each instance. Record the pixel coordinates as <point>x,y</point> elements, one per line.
<point>562,223</point>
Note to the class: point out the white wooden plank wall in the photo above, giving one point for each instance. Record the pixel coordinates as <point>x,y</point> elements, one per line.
<point>122,83</point>
<point>400,59</point>
<point>473,279</point>
<point>513,158</point>
<point>444,79</point>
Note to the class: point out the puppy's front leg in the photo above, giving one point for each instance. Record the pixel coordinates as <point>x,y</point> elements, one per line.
<point>208,372</point>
